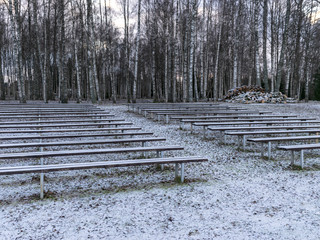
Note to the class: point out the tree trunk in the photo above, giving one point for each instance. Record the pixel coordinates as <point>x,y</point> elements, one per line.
<point>192,47</point>
<point>136,60</point>
<point>256,39</point>
<point>265,64</point>
<point>283,47</point>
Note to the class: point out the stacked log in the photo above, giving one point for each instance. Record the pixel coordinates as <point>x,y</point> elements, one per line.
<point>243,89</point>
<point>254,94</point>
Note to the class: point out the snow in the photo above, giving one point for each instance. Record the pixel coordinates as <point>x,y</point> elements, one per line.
<point>236,195</point>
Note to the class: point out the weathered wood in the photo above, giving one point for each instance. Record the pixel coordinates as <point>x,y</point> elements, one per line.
<point>70,130</point>
<point>29,137</point>
<point>64,121</point>
<point>83,142</point>
<point>264,127</point>
<point>23,117</point>
<point>67,125</point>
<point>89,165</point>
<point>86,152</point>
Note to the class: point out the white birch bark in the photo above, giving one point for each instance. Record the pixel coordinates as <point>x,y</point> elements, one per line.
<point>136,60</point>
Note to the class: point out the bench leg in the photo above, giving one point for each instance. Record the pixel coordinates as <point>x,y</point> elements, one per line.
<point>41,174</point>
<point>144,144</point>
<point>302,159</point>
<point>244,142</point>
<point>262,150</point>
<point>167,119</point>
<point>176,170</point>
<point>162,165</point>
<point>182,172</point>
<point>269,150</point>
<point>292,158</point>
<point>204,132</point>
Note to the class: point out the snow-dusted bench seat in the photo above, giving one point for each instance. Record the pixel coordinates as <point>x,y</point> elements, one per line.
<point>63,121</point>
<point>50,113</point>
<point>250,122</point>
<point>246,118</point>
<point>37,116</point>
<point>300,148</point>
<point>82,142</point>
<point>243,134</point>
<point>168,115</point>
<point>59,136</point>
<point>158,149</point>
<point>275,128</point>
<point>104,164</point>
<point>67,125</point>
<point>269,140</point>
<point>56,130</point>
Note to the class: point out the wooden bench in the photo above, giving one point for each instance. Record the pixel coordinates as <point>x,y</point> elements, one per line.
<point>104,164</point>
<point>82,142</point>
<point>232,116</point>
<point>50,113</point>
<point>59,136</point>
<point>22,111</point>
<point>158,149</point>
<point>22,117</point>
<point>168,115</point>
<point>70,130</point>
<point>140,106</point>
<point>269,140</point>
<point>243,134</point>
<point>300,148</point>
<point>67,125</point>
<point>64,121</point>
<point>250,122</point>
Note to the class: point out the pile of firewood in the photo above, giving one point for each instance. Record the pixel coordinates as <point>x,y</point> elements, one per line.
<point>243,89</point>
<point>254,94</point>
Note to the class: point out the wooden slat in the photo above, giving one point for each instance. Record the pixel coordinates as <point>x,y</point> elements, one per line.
<point>90,165</point>
<point>86,152</point>
<point>300,147</point>
<point>64,121</point>
<point>252,123</point>
<point>70,130</point>
<point>22,137</point>
<point>266,127</point>
<point>83,142</point>
<point>275,139</point>
<point>57,116</point>
<point>273,132</point>
<point>67,125</point>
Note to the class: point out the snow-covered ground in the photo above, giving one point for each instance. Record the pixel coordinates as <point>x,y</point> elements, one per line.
<point>236,195</point>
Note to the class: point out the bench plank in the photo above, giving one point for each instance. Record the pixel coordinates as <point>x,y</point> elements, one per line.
<point>86,152</point>
<point>66,125</point>
<point>76,135</point>
<point>70,130</point>
<point>88,142</point>
<point>88,165</point>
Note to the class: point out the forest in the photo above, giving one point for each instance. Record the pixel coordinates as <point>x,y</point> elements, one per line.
<point>165,50</point>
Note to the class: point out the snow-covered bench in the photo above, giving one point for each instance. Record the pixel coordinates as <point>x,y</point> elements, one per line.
<point>168,115</point>
<point>269,140</point>
<point>243,134</point>
<point>67,125</point>
<point>300,148</point>
<point>82,142</point>
<point>85,120</point>
<point>255,121</point>
<point>82,135</point>
<point>41,155</point>
<point>60,130</point>
<point>241,128</point>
